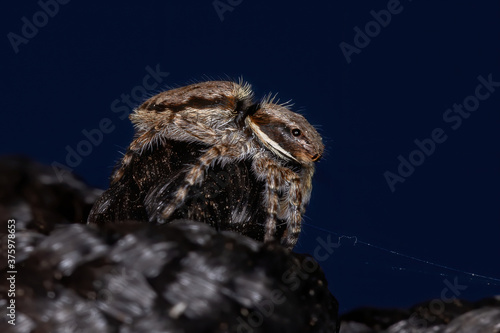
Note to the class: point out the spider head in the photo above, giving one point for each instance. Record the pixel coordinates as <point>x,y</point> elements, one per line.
<point>287,134</point>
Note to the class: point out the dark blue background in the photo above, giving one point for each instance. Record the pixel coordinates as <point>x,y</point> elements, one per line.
<point>369,112</point>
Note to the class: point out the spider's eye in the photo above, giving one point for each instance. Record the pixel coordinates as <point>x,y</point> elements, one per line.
<point>296,132</point>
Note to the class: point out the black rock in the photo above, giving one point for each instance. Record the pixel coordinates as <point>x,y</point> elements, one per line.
<point>179,277</point>
<point>39,197</point>
<point>458,316</point>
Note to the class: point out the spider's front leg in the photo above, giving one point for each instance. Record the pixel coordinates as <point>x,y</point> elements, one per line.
<point>277,179</point>
<point>272,186</point>
<point>294,211</point>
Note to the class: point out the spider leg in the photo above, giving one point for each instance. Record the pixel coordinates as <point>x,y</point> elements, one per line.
<point>296,208</point>
<point>194,176</point>
<point>275,179</point>
<point>280,179</point>
<point>272,199</point>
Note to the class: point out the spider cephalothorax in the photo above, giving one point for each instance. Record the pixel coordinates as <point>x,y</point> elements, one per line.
<point>208,152</point>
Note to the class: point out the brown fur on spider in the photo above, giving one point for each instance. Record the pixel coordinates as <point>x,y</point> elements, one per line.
<point>210,153</point>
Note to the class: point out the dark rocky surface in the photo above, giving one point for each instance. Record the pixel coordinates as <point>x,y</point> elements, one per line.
<point>38,197</point>
<point>433,316</point>
<point>180,277</point>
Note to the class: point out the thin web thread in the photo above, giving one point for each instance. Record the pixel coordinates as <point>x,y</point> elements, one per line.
<point>356,240</point>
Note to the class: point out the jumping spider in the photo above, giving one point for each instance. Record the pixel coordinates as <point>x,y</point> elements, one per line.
<point>208,152</point>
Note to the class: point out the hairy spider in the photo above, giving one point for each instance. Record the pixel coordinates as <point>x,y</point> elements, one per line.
<point>250,163</point>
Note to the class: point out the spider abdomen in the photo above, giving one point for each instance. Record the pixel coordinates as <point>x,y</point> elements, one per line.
<point>230,197</point>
